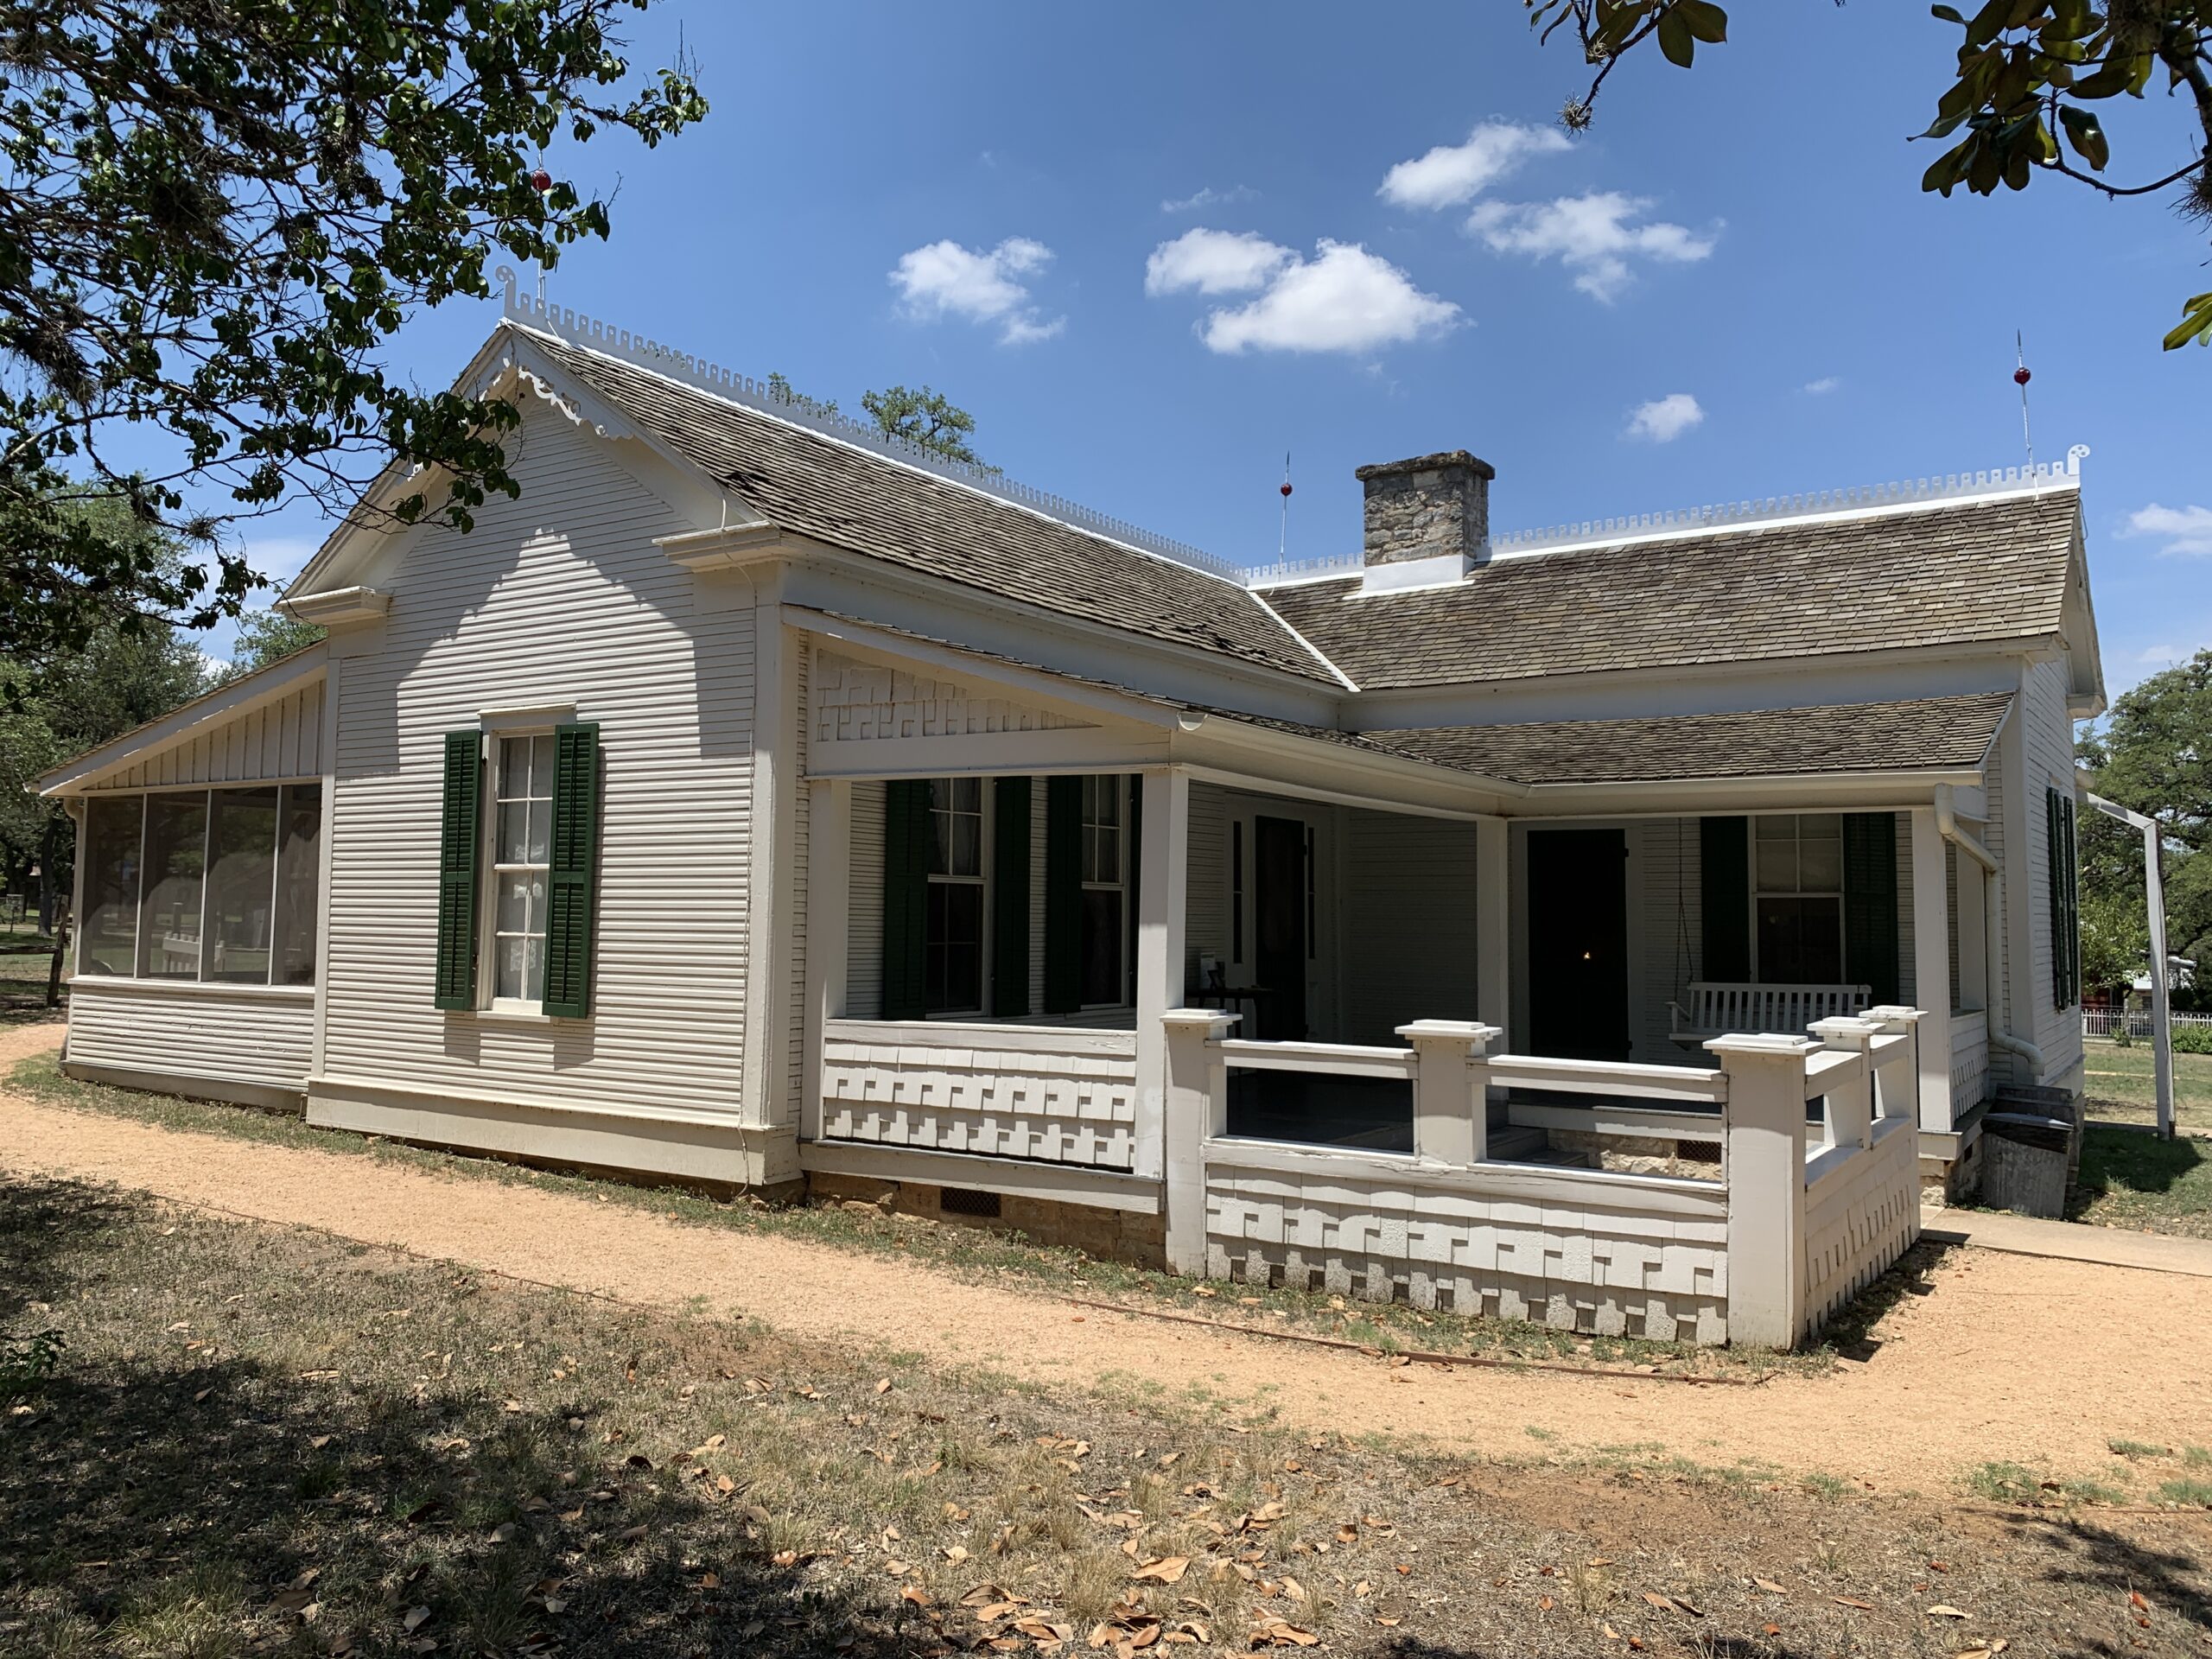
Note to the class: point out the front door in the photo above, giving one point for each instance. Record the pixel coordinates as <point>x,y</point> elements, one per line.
<point>1279,928</point>
<point>1578,943</point>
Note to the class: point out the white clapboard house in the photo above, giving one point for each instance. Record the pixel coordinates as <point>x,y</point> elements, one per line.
<point>1607,926</point>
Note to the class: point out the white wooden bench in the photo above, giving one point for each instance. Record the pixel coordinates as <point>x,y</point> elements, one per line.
<point>1718,1007</point>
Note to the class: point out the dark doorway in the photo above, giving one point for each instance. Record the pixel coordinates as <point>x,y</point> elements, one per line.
<point>1578,943</point>
<point>1279,928</point>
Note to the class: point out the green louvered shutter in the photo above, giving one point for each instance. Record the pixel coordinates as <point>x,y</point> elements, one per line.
<point>1010,898</point>
<point>1063,895</point>
<point>573,881</point>
<point>1870,903</point>
<point>459,849</point>
<point>1725,898</point>
<point>906,831</point>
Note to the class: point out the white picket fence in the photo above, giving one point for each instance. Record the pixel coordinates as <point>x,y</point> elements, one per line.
<point>2108,1022</point>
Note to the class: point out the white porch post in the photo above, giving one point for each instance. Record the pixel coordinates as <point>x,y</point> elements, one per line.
<point>1931,967</point>
<point>829,861</point>
<point>1163,902</point>
<point>1850,1111</point>
<point>1493,924</point>
<point>1198,1107</point>
<point>1766,1185</point>
<point>1451,1108</point>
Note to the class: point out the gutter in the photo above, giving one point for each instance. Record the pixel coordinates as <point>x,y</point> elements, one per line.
<point>1992,927</point>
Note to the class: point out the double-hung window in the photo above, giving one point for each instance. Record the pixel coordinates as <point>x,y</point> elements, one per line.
<point>521,858</point>
<point>518,871</point>
<point>953,969</point>
<point>1797,896</point>
<point>1105,891</point>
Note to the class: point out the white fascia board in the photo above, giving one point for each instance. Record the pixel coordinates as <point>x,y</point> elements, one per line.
<point>241,695</point>
<point>1903,674</point>
<point>1228,750</point>
<point>1815,791</point>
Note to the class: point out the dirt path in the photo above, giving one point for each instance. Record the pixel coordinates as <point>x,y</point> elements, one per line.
<point>2008,1359</point>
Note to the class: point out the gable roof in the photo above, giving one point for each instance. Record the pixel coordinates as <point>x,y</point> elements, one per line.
<point>1969,571</point>
<point>1926,734</point>
<point>852,499</point>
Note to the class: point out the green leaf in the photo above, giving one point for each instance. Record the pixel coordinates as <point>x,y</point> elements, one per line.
<point>2196,324</point>
<point>1948,14</point>
<point>1705,21</point>
<point>1675,38</point>
<point>2086,134</point>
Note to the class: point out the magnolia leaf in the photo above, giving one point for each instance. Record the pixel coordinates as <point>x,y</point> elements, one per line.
<point>2196,324</point>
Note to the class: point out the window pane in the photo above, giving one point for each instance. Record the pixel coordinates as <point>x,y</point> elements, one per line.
<point>1821,823</point>
<point>1775,829</point>
<point>241,884</point>
<point>1800,941</point>
<point>176,860</point>
<point>514,768</point>
<point>1102,945</point>
<point>109,942</point>
<point>299,884</point>
<point>519,965</point>
<point>522,904</point>
<point>541,767</point>
<point>953,951</point>
<point>1778,866</point>
<point>1819,864</point>
<point>523,828</point>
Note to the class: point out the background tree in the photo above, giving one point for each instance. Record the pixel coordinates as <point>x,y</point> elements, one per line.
<point>213,214</point>
<point>2153,752</point>
<point>2028,90</point>
<point>266,636</point>
<point>926,418</point>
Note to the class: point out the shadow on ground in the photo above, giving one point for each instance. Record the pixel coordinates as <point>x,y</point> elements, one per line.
<point>2115,1159</point>
<point>195,1501</point>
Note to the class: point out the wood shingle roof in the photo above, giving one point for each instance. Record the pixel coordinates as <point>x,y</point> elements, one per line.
<point>1989,569</point>
<point>850,498</point>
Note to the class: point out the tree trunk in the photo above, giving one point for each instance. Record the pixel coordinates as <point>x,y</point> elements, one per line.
<point>54,968</point>
<point>47,843</point>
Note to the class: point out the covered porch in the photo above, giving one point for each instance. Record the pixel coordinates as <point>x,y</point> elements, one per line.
<point>1006,930</point>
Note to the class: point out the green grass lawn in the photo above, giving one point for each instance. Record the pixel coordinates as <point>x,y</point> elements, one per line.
<point>2132,1179</point>
<point>2119,1086</point>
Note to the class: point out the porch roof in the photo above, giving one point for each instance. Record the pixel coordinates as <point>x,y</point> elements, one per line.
<point>1925,733</point>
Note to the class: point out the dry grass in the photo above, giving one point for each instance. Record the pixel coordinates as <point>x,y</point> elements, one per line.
<point>258,1439</point>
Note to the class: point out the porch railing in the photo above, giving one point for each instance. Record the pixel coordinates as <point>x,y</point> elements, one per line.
<point>1793,1224</point>
<point>1044,1093</point>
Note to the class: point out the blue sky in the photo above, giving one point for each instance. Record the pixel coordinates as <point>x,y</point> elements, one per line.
<point>1731,288</point>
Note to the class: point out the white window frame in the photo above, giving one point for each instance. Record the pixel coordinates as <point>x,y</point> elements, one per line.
<point>1119,783</point>
<point>1797,836</point>
<point>980,879</point>
<point>490,869</point>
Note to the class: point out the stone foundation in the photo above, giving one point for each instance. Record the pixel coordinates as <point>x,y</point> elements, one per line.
<point>1105,1235</point>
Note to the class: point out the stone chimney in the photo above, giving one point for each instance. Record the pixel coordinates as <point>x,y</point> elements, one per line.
<point>1427,518</point>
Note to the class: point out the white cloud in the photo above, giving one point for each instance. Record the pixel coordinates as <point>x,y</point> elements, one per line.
<point>2159,656</point>
<point>2186,529</point>
<point>1822,387</point>
<point>1451,173</point>
<point>1207,196</point>
<point>1591,235</point>
<point>1664,419</point>
<point>1214,262</point>
<point>944,279</point>
<point>1343,299</point>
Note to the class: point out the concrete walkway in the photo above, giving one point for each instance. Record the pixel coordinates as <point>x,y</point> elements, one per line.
<point>2070,1240</point>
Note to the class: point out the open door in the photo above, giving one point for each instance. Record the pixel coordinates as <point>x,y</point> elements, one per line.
<point>1279,928</point>
<point>1578,943</point>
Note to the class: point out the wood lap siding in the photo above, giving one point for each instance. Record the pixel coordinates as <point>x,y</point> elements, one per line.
<point>215,1036</point>
<point>281,739</point>
<point>511,616</point>
<point>2050,741</point>
<point>1409,951</point>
